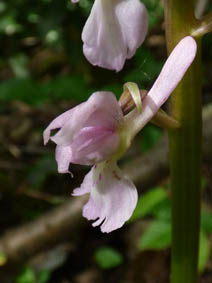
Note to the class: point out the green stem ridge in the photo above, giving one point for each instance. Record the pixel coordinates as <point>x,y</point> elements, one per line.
<point>185,149</point>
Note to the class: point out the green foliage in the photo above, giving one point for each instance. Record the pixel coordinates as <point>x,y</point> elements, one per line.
<point>155,11</point>
<point>26,276</point>
<point>162,210</point>
<point>147,68</point>
<point>19,66</point>
<point>203,183</point>
<point>206,222</point>
<point>117,89</point>
<point>204,251</point>
<point>43,276</point>
<point>42,168</point>
<point>69,87</point>
<point>3,259</point>
<point>107,257</point>
<point>156,236</point>
<point>35,94</point>
<point>147,202</point>
<point>29,276</point>
<point>25,90</point>
<point>150,135</point>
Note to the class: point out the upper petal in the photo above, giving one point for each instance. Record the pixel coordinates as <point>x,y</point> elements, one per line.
<point>113,32</point>
<point>113,197</point>
<point>103,42</point>
<point>101,109</point>
<point>58,122</point>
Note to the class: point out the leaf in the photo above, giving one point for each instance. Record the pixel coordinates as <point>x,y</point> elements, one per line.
<point>26,276</point>
<point>3,259</point>
<point>204,251</point>
<point>43,167</point>
<point>25,90</point>
<point>157,236</point>
<point>19,66</point>
<point>69,87</point>
<point>204,183</point>
<point>107,258</point>
<point>149,137</point>
<point>155,11</point>
<point>146,70</point>
<point>147,202</point>
<point>206,222</point>
<point>162,210</point>
<point>43,276</point>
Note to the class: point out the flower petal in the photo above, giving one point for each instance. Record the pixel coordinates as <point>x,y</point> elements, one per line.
<point>93,144</point>
<point>58,122</point>
<point>63,157</point>
<point>113,32</point>
<point>133,19</point>
<point>101,108</point>
<point>86,185</point>
<point>113,197</point>
<point>173,71</point>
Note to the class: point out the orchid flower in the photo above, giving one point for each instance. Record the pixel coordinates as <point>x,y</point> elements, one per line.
<point>97,133</point>
<point>113,32</point>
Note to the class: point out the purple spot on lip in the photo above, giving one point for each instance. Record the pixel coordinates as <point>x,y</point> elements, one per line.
<point>100,177</point>
<point>95,166</point>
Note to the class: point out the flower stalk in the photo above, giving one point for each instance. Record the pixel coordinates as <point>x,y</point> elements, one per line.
<point>185,149</point>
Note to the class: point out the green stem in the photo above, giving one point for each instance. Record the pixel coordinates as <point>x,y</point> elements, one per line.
<point>185,149</point>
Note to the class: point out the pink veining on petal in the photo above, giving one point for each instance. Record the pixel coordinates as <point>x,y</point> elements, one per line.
<point>93,144</point>
<point>101,107</point>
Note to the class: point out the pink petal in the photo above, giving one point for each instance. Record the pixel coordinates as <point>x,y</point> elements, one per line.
<point>133,20</point>
<point>57,123</point>
<point>63,158</point>
<point>173,71</point>
<point>113,197</point>
<point>86,185</point>
<point>113,32</point>
<point>101,108</point>
<point>93,144</point>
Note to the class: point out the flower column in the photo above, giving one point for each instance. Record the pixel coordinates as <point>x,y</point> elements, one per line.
<point>185,149</point>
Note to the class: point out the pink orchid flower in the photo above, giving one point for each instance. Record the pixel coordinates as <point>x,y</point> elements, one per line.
<point>96,133</point>
<point>113,32</point>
